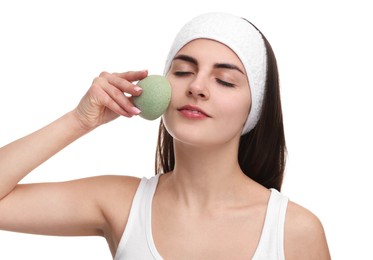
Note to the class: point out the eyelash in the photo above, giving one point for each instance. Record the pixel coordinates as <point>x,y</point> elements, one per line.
<point>182,73</point>
<point>224,83</point>
<point>221,82</point>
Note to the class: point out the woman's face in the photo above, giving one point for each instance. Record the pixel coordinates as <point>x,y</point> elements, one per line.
<point>210,94</point>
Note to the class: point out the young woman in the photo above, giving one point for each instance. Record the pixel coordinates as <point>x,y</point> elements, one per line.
<point>220,161</point>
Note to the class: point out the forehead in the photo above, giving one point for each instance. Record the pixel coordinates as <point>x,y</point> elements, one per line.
<point>210,50</point>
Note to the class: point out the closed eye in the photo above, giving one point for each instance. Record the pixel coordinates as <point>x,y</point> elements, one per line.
<point>224,83</point>
<point>182,73</point>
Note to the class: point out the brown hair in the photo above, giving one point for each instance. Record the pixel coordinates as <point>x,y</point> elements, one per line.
<point>262,151</point>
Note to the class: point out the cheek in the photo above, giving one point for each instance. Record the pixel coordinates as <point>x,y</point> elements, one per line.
<point>171,113</point>
<point>235,111</point>
<point>176,88</point>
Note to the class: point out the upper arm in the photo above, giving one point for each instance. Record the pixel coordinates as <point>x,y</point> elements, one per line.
<point>81,207</point>
<point>304,235</point>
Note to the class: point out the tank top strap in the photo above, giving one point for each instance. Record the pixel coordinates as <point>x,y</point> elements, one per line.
<point>136,241</point>
<point>271,243</point>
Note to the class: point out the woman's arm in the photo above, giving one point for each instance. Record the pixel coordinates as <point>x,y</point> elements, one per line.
<point>75,207</point>
<point>20,157</point>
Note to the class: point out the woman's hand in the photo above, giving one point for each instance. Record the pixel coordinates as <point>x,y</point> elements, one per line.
<point>109,97</point>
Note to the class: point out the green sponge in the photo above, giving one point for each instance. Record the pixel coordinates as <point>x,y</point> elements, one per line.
<point>155,96</point>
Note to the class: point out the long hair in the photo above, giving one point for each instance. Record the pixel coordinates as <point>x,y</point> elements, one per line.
<point>262,151</point>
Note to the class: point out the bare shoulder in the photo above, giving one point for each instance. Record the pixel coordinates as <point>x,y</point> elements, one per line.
<point>109,186</point>
<point>118,183</point>
<point>113,193</point>
<point>304,235</point>
<point>116,191</point>
<point>116,196</point>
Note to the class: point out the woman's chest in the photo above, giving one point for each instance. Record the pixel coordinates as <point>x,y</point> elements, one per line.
<point>233,235</point>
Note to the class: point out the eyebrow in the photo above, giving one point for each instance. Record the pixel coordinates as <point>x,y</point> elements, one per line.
<point>216,65</point>
<point>228,66</point>
<point>186,58</point>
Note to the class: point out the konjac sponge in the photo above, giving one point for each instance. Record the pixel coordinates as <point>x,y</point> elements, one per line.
<point>155,96</point>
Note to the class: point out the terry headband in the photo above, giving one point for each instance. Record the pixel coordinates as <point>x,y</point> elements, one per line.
<point>240,36</point>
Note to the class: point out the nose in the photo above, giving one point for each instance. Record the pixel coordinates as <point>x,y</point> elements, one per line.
<point>198,88</point>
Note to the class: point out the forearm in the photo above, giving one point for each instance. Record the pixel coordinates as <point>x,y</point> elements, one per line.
<point>20,157</point>
<point>103,102</point>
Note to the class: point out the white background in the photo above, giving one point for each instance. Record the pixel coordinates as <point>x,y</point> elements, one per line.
<point>50,51</point>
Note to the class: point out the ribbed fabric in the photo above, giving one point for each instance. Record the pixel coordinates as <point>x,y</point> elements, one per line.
<point>137,240</point>
<point>271,243</point>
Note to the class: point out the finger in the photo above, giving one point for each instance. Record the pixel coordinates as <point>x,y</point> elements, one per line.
<point>114,106</point>
<point>132,75</point>
<point>124,85</point>
<point>119,102</point>
<point>112,98</point>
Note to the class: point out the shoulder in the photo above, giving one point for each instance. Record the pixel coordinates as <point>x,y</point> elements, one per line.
<point>111,185</point>
<point>304,234</point>
<point>120,182</point>
<point>113,193</point>
<point>116,189</point>
<point>113,197</point>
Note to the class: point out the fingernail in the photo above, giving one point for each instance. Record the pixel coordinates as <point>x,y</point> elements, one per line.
<point>137,89</point>
<point>136,111</point>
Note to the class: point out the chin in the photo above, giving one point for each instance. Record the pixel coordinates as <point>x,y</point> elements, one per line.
<point>200,137</point>
<point>189,134</point>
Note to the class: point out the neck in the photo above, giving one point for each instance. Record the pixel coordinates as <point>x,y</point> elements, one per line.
<point>206,176</point>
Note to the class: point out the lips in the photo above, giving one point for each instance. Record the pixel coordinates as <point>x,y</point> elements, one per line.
<point>193,112</point>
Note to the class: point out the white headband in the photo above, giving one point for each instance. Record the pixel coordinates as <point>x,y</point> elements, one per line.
<point>243,38</point>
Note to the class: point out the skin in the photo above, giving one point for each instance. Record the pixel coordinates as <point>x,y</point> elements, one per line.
<point>216,210</point>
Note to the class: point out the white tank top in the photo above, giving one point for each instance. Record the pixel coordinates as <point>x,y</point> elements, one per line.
<point>137,240</point>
